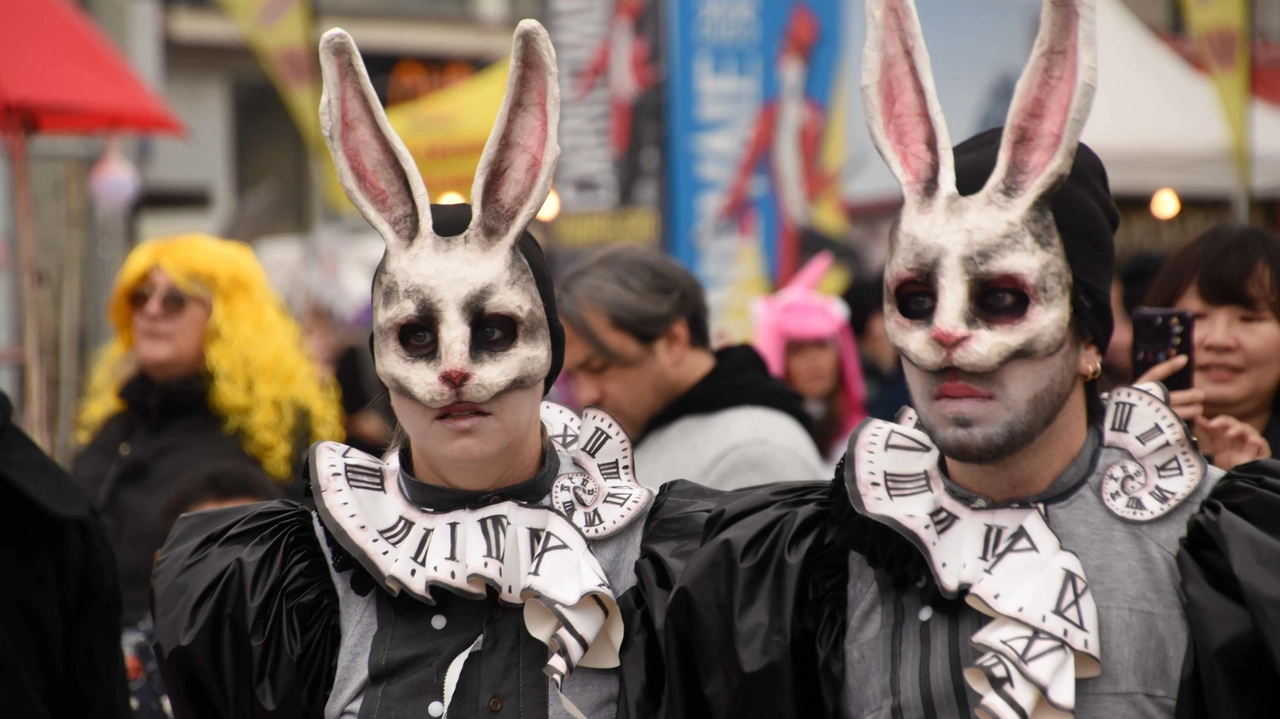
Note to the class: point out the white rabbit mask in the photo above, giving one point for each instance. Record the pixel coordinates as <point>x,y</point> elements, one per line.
<point>972,282</point>
<point>456,319</point>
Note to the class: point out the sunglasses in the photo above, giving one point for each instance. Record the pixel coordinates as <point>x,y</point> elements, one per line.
<point>172,302</point>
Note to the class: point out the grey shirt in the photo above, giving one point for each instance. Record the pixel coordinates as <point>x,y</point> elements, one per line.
<point>905,649</point>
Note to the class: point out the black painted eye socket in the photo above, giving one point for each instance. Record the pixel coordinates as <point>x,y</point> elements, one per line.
<point>916,300</point>
<point>1001,303</point>
<point>418,340</point>
<point>493,333</point>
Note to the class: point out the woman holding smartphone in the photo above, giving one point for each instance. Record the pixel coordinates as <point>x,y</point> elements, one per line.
<point>1229,280</point>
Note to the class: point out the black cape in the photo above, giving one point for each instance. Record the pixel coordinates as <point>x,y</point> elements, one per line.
<point>738,609</point>
<point>739,606</point>
<point>1230,567</point>
<point>59,592</point>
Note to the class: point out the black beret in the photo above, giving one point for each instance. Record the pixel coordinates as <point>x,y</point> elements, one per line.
<point>1086,218</point>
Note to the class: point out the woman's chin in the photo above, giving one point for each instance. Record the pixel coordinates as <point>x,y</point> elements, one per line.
<point>463,441</point>
<point>164,368</point>
<point>1223,400</point>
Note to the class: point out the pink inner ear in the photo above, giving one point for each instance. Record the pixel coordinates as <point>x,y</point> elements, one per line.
<point>904,105</point>
<point>517,160</point>
<point>373,163</point>
<point>1036,126</point>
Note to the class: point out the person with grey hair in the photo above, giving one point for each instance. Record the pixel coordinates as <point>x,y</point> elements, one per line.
<point>637,345</point>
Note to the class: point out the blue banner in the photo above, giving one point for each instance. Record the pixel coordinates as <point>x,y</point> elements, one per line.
<point>749,141</point>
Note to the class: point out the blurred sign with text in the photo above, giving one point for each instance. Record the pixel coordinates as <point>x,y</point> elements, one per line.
<point>610,174</point>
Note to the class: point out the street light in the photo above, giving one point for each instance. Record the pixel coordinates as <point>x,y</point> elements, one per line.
<point>1165,204</point>
<point>551,208</point>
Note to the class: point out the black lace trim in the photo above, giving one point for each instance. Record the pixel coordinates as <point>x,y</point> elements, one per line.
<point>882,546</point>
<point>361,581</point>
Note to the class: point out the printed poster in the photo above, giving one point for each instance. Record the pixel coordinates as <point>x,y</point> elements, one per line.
<point>753,149</point>
<point>610,175</point>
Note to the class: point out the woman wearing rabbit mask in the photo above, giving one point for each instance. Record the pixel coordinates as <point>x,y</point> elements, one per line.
<point>1006,549</point>
<point>472,570</point>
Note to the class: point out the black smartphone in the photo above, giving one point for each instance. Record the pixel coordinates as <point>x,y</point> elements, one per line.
<point>1160,334</point>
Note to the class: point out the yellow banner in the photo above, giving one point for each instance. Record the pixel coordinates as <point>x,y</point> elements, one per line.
<point>1221,33</point>
<point>445,131</point>
<point>281,33</point>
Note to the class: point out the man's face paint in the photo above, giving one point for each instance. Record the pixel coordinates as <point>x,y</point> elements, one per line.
<point>456,319</point>
<point>985,418</point>
<point>974,282</point>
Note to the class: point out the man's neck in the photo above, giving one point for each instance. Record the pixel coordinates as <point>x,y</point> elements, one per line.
<point>480,476</point>
<point>695,368</point>
<point>1034,468</point>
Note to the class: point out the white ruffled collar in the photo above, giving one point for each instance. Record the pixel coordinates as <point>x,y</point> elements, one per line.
<point>535,555</point>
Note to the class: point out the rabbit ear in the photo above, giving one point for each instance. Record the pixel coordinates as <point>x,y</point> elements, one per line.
<point>375,168</point>
<point>902,108</point>
<point>515,171</point>
<point>1051,103</point>
<point>810,275</point>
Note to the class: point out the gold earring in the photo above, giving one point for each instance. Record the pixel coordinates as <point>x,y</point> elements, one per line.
<point>1094,372</point>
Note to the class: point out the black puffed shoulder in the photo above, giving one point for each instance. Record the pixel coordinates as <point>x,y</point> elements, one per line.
<point>246,614</point>
<point>885,548</point>
<point>739,606</point>
<point>1229,561</point>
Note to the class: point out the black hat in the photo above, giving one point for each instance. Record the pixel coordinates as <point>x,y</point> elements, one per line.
<point>1086,218</point>
<point>453,220</point>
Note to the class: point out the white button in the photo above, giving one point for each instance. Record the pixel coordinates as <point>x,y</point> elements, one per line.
<point>435,709</point>
<point>438,622</point>
<point>926,613</point>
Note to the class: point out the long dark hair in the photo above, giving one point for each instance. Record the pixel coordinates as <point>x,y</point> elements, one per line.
<point>1229,265</point>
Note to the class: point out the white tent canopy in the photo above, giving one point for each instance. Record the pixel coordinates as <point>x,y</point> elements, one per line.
<point>1157,121</point>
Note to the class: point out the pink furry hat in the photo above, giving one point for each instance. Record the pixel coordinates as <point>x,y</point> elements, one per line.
<point>799,312</point>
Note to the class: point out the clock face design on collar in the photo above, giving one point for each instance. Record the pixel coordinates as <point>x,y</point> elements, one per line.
<point>1166,466</point>
<point>1005,561</point>
<point>530,555</point>
<point>600,494</point>
<point>563,426</point>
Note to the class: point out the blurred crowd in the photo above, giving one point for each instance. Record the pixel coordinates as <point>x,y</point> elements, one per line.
<point>212,391</point>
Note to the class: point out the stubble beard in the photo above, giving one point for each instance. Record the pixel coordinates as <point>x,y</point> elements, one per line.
<point>964,440</point>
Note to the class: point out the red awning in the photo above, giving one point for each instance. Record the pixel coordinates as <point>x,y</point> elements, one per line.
<point>59,74</point>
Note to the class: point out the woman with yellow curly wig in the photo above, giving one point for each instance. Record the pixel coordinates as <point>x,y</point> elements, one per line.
<point>206,366</point>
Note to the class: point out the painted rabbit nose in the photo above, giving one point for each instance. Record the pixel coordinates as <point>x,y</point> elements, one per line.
<point>949,338</point>
<point>454,379</point>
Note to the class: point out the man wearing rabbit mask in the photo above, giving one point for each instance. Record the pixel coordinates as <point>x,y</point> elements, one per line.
<point>1000,337</point>
<point>1007,548</point>
<point>474,569</point>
